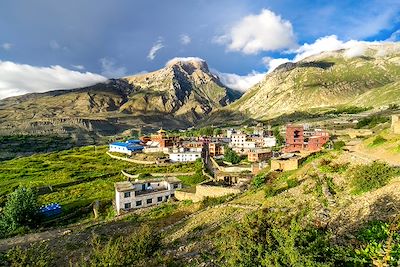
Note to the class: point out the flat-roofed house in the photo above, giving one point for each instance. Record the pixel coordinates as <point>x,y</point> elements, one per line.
<point>144,193</point>
<point>258,155</point>
<point>129,147</point>
<point>184,156</point>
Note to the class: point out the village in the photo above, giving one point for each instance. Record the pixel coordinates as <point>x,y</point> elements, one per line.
<point>230,161</point>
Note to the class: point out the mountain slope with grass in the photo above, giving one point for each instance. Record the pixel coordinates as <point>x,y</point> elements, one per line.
<point>369,79</point>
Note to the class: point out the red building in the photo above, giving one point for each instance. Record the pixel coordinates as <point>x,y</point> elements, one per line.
<point>295,140</point>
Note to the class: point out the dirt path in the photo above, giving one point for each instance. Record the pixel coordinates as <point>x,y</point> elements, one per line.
<point>359,151</point>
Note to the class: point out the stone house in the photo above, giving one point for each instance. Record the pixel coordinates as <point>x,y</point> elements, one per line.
<point>286,162</point>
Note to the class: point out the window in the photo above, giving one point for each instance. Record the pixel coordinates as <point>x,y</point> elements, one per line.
<point>149,201</point>
<point>138,203</point>
<point>175,186</point>
<point>172,195</point>
<point>159,199</point>
<point>127,206</point>
<point>166,197</point>
<point>127,194</point>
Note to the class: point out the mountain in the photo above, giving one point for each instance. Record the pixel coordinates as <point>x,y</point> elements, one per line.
<point>369,77</point>
<point>176,96</point>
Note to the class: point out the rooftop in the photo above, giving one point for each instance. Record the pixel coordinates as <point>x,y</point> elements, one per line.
<point>129,185</point>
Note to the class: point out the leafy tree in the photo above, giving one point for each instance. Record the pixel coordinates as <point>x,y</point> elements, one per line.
<point>21,209</point>
<point>231,156</point>
<point>217,131</point>
<point>279,138</point>
<point>206,131</point>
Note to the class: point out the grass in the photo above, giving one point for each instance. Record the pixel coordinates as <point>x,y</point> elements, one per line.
<point>77,176</point>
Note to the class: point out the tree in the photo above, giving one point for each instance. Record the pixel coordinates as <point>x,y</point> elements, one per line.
<point>217,131</point>
<point>206,131</point>
<point>279,138</point>
<point>21,209</point>
<point>231,156</point>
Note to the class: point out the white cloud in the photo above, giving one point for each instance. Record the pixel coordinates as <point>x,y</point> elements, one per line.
<point>78,67</point>
<point>238,82</point>
<point>185,39</point>
<point>17,79</point>
<point>109,69</point>
<point>331,43</point>
<point>183,59</point>
<point>6,46</point>
<point>273,63</point>
<point>395,36</point>
<point>154,49</point>
<point>263,32</point>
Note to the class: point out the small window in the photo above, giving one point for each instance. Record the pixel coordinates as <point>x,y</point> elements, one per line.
<point>127,194</point>
<point>148,184</point>
<point>175,186</point>
<point>127,206</point>
<point>166,197</point>
<point>149,201</point>
<point>138,203</point>
<point>159,199</point>
<point>172,195</point>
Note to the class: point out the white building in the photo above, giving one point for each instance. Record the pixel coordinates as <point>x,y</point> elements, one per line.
<point>238,139</point>
<point>270,141</point>
<point>184,156</point>
<point>144,193</point>
<point>127,147</point>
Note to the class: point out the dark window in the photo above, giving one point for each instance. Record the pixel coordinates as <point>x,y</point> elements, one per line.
<point>296,134</point>
<point>127,206</point>
<point>127,194</point>
<point>159,199</point>
<point>172,195</point>
<point>166,197</point>
<point>148,184</point>
<point>138,203</point>
<point>149,201</point>
<point>175,185</point>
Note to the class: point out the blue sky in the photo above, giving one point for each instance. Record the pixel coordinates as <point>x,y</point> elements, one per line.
<point>114,38</point>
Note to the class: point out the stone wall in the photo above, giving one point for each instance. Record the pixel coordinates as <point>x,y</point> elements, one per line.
<point>284,165</point>
<point>395,124</point>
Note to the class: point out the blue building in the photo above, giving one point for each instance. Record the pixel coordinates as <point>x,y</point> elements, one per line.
<point>128,147</point>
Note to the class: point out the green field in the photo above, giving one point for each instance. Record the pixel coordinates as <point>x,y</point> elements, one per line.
<point>76,177</point>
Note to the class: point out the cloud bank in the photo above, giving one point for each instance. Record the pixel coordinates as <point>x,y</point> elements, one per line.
<point>17,79</point>
<point>183,59</point>
<point>110,70</point>
<point>255,33</point>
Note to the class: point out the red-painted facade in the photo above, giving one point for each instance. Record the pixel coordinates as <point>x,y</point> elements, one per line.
<point>295,140</point>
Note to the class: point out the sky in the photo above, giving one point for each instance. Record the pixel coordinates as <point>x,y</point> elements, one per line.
<point>54,44</point>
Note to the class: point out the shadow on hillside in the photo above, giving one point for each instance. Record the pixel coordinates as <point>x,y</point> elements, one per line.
<point>312,64</point>
<point>384,208</point>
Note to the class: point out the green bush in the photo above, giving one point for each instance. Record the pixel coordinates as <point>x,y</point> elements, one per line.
<point>380,245</point>
<point>379,140</point>
<point>293,182</point>
<point>338,145</point>
<point>21,210</point>
<point>372,176</point>
<point>372,121</point>
<point>37,255</point>
<point>231,156</point>
<point>258,180</point>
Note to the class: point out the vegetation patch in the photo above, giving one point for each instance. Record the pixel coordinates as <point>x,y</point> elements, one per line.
<point>379,140</point>
<point>365,178</point>
<point>371,122</point>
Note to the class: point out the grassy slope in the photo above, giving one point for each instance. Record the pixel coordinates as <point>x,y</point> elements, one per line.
<point>79,176</point>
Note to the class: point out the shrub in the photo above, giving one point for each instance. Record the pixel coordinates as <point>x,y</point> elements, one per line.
<point>21,209</point>
<point>379,140</point>
<point>231,156</point>
<point>258,180</point>
<point>372,121</point>
<point>338,145</point>
<point>372,176</point>
<point>293,182</point>
<point>37,255</point>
